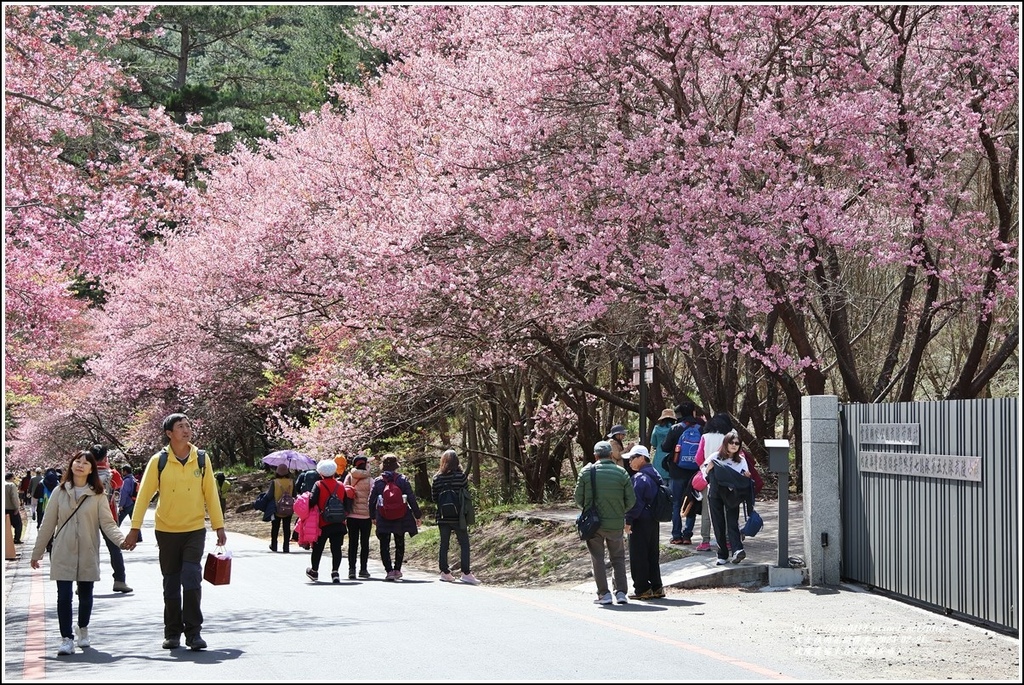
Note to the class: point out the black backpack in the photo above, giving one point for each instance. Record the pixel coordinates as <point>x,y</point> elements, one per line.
<point>661,506</point>
<point>449,504</point>
<point>334,508</point>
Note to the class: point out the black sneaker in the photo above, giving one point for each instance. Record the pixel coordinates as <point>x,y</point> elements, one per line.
<point>364,573</point>
<point>172,642</point>
<point>352,574</point>
<point>195,643</point>
<point>312,575</point>
<point>335,578</point>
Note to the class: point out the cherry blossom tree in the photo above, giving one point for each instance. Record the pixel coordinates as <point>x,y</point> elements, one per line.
<point>793,199</point>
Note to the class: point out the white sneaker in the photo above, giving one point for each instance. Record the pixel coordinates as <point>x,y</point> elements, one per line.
<point>447,578</point>
<point>67,646</point>
<point>469,578</point>
<point>606,598</point>
<point>83,636</point>
<point>620,598</point>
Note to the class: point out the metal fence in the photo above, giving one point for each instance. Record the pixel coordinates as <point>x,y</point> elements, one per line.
<point>930,507</point>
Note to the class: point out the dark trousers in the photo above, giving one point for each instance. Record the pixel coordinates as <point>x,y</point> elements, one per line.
<point>725,522</point>
<point>644,555</point>
<point>335,534</point>
<point>275,526</point>
<point>358,531</point>
<point>116,557</point>
<point>126,513</point>
<point>385,550</point>
<point>65,595</point>
<point>180,554</point>
<point>39,512</point>
<point>462,535</point>
<point>16,524</point>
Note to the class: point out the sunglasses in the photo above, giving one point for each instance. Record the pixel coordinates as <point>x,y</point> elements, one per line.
<point>732,442</point>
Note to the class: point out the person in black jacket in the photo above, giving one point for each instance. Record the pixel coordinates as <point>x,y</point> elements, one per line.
<point>679,478</point>
<point>728,487</point>
<point>448,489</point>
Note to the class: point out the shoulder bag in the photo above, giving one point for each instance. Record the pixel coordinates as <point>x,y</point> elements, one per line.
<point>588,522</point>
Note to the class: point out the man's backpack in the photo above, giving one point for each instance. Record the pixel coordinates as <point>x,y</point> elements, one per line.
<point>162,462</point>
<point>38,492</point>
<point>661,507</point>
<point>334,508</point>
<point>285,505</point>
<point>391,506</point>
<point>686,449</point>
<point>449,504</point>
<point>135,489</point>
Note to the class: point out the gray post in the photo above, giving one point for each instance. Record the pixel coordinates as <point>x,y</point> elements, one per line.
<point>778,463</point>
<point>823,533</point>
<point>644,438</point>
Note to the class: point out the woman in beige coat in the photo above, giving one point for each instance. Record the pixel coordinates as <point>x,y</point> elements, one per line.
<point>76,511</point>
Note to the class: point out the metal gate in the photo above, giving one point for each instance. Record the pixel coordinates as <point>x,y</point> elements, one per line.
<point>930,504</point>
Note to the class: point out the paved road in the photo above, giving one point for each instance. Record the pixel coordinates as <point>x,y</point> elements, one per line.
<point>271,624</point>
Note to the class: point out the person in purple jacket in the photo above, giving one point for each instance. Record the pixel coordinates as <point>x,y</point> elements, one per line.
<point>644,556</point>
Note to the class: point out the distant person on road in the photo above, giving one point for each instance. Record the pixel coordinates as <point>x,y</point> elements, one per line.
<point>710,441</point>
<point>614,496</point>
<point>283,484</point>
<point>395,512</point>
<point>51,481</point>
<point>23,489</point>
<point>12,505</point>
<point>126,502</point>
<point>658,434</point>
<point>76,513</point>
<point>223,488</point>
<point>729,486</point>
<point>358,522</point>
<point>112,483</point>
<point>330,532</point>
<point>616,436</point>
<point>681,472</point>
<point>644,548</point>
<point>188,492</point>
<point>35,491</point>
<point>450,492</point>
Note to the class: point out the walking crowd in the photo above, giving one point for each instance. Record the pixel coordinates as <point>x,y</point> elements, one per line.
<point>709,476</point>
<point>86,501</point>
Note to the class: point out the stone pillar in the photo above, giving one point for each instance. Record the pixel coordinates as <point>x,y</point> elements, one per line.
<point>823,532</point>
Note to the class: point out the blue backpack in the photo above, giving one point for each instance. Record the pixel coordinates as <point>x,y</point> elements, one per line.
<point>686,452</point>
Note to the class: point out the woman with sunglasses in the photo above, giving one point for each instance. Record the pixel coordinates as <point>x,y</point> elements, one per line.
<point>729,485</point>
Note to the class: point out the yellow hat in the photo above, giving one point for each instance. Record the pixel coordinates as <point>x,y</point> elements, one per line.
<point>342,462</point>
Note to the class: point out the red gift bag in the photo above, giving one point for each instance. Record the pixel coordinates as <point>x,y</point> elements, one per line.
<point>218,567</point>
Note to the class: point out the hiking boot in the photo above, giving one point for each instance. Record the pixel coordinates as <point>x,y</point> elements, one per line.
<point>390,577</point>
<point>721,562</point>
<point>469,578</point>
<point>675,541</point>
<point>67,646</point>
<point>620,598</point>
<point>363,573</point>
<point>171,643</point>
<point>195,643</point>
<point>447,578</point>
<point>703,547</point>
<point>351,574</point>
<point>646,594</point>
<point>738,556</point>
<point>312,575</point>
<point>83,636</point>
<point>335,578</point>
<point>606,598</point>
<point>659,593</point>
<point>121,586</point>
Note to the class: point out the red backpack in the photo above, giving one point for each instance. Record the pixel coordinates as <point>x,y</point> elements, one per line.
<point>390,503</point>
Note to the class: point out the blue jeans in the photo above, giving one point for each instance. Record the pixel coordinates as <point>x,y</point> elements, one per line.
<point>678,486</point>
<point>65,596</point>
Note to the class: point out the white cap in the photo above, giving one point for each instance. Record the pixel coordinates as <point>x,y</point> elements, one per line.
<point>638,450</point>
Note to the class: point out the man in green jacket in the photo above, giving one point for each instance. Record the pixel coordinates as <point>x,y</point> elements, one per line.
<point>614,497</point>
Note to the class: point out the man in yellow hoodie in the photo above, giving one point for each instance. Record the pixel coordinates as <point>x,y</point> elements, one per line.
<point>187,492</point>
